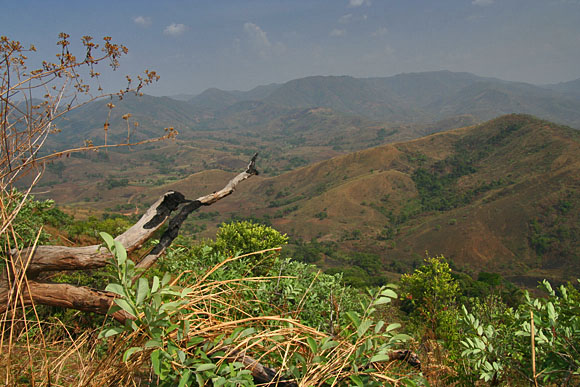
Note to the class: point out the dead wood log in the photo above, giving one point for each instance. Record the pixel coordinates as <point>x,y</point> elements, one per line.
<point>65,296</point>
<point>33,261</point>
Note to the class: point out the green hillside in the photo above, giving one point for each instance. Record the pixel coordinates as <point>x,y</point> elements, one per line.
<point>501,196</point>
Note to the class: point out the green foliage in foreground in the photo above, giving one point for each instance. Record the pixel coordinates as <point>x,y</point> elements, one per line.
<point>489,341</point>
<point>482,327</point>
<point>429,296</point>
<point>170,324</point>
<point>497,344</point>
<point>288,288</point>
<point>29,221</point>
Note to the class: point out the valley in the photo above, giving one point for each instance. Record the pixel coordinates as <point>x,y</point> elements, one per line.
<point>364,175</point>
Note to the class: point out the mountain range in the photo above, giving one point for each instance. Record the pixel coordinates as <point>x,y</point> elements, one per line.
<point>414,97</point>
<point>416,103</point>
<point>376,170</point>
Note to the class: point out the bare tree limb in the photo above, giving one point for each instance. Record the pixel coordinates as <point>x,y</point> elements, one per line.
<point>53,258</point>
<point>66,296</point>
<point>175,224</point>
<point>58,258</point>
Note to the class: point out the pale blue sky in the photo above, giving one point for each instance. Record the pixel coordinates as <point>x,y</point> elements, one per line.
<point>236,44</point>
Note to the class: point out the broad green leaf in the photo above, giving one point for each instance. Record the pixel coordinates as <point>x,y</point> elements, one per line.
<point>363,327</point>
<point>153,343</point>
<point>551,313</point>
<point>357,380</point>
<point>170,292</point>
<point>378,358</point>
<point>205,367</point>
<point>108,240</point>
<point>166,279</point>
<point>319,359</point>
<point>117,289</point>
<point>379,326</point>
<point>142,290</point>
<point>126,306</point>
<point>392,326</point>
<point>328,344</point>
<point>185,292</point>
<point>170,306</point>
<point>120,253</point>
<point>111,332</point>
<point>381,301</point>
<point>113,309</point>
<point>156,361</point>
<point>155,285</point>
<point>247,332</point>
<point>354,318</point>
<point>312,344</point>
<point>131,351</point>
<point>184,378</point>
<point>389,293</point>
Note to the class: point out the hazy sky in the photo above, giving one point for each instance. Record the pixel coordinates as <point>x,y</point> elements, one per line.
<point>238,44</point>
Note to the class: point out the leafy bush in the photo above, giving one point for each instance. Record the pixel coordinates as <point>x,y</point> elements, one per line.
<point>497,340</point>
<point>299,290</point>
<point>30,219</point>
<point>429,295</point>
<point>190,336</point>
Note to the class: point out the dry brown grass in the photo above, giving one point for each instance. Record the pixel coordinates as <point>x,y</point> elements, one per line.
<point>42,353</point>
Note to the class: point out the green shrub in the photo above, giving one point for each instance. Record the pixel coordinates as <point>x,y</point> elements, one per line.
<point>429,296</point>
<point>28,223</point>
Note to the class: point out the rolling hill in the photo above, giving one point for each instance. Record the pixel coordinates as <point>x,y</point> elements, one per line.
<point>502,196</point>
<point>348,173</point>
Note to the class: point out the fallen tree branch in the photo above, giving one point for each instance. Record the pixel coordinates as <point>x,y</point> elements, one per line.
<point>66,296</point>
<point>175,224</point>
<point>58,258</point>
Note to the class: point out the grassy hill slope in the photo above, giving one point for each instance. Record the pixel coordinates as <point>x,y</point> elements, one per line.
<point>501,196</point>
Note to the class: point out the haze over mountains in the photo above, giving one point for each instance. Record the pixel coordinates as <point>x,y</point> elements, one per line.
<point>501,195</point>
<point>416,97</point>
<point>429,101</point>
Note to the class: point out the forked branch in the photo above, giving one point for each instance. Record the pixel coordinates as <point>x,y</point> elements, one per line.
<point>58,258</point>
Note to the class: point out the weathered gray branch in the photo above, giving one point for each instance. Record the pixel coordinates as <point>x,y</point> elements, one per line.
<point>33,261</point>
<point>53,258</point>
<point>175,224</point>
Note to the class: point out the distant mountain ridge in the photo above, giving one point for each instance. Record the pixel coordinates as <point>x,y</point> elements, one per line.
<point>570,87</point>
<point>414,104</point>
<point>413,97</point>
